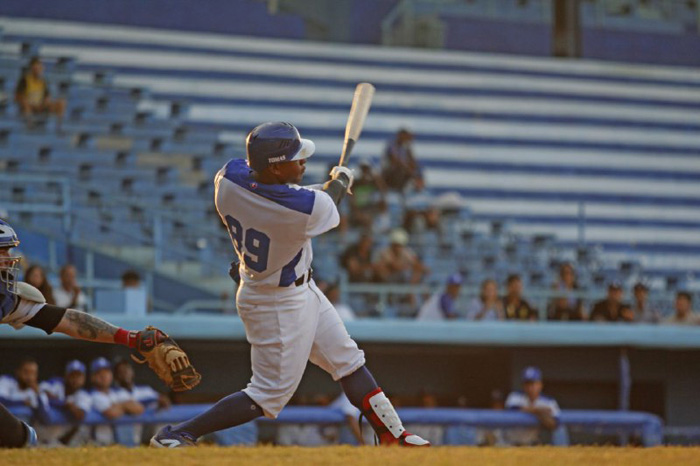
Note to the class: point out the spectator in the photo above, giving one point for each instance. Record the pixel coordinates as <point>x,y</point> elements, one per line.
<point>566,305</point>
<point>442,306</point>
<point>642,311</point>
<point>112,403</point>
<point>398,263</point>
<point>357,260</point>
<point>684,314</point>
<point>368,192</point>
<point>612,309</point>
<point>487,306</point>
<point>144,394</point>
<point>531,400</point>
<point>69,294</point>
<point>23,388</point>
<point>345,312</point>
<point>131,279</point>
<point>514,306</point>
<point>399,166</point>
<point>67,393</point>
<point>36,277</point>
<point>33,96</point>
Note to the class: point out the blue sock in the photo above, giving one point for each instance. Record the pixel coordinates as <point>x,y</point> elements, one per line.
<point>357,385</point>
<point>234,410</point>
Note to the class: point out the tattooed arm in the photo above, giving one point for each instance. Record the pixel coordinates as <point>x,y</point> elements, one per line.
<point>84,326</point>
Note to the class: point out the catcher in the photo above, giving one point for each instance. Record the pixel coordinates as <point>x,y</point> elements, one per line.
<point>22,304</point>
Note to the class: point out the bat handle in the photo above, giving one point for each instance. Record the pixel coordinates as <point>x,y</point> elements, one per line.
<point>345,155</point>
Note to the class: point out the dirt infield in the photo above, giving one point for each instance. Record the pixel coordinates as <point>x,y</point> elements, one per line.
<point>350,456</point>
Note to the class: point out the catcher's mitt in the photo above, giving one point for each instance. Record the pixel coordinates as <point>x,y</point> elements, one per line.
<point>167,359</point>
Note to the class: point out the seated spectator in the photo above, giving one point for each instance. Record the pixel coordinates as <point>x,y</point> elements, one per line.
<point>487,306</point>
<point>33,96</point>
<point>150,399</point>
<point>367,194</point>
<point>612,309</point>
<point>69,293</point>
<point>23,388</point>
<point>514,306</point>
<point>112,403</point>
<point>531,400</point>
<point>397,263</point>
<point>345,312</point>
<point>642,311</point>
<point>124,378</point>
<point>683,314</point>
<point>67,393</point>
<point>131,279</point>
<point>566,305</point>
<point>357,260</point>
<point>399,166</point>
<point>442,305</point>
<point>36,277</point>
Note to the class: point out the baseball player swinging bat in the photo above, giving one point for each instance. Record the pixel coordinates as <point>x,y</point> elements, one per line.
<point>361,102</point>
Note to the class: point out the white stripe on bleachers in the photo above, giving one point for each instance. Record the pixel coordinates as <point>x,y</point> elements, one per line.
<point>216,88</point>
<point>192,61</point>
<point>460,127</point>
<point>144,36</point>
<point>611,234</point>
<point>481,179</point>
<point>558,209</point>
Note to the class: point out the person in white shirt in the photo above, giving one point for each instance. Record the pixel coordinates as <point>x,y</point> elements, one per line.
<point>67,393</point>
<point>111,402</point>
<point>124,377</point>
<point>442,305</point>
<point>69,294</point>
<point>531,400</point>
<point>23,388</point>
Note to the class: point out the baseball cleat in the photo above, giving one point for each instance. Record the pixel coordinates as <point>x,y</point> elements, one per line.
<point>166,437</point>
<point>32,439</point>
<point>383,418</point>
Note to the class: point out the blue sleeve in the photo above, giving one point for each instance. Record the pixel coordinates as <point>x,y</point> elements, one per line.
<point>447,306</point>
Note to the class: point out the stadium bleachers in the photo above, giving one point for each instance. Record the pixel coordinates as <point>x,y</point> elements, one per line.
<point>598,155</point>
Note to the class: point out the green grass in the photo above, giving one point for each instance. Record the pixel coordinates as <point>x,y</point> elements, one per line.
<point>351,456</point>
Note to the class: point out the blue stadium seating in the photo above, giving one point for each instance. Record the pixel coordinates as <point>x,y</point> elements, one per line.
<point>529,142</point>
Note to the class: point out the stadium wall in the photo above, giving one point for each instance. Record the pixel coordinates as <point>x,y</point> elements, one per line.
<point>251,18</point>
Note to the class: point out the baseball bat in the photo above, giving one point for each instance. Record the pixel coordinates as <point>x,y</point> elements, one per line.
<point>356,119</point>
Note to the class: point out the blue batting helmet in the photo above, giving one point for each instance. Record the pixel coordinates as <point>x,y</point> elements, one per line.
<point>276,142</point>
<point>8,263</point>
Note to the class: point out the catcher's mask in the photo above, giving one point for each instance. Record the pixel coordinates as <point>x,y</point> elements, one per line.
<point>9,264</point>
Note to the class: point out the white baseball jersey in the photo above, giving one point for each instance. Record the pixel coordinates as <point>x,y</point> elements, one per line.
<point>287,325</point>
<point>271,226</point>
<point>12,395</point>
<point>56,389</point>
<point>518,400</point>
<point>102,401</point>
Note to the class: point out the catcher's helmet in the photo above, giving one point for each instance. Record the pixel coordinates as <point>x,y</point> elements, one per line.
<point>8,263</point>
<point>276,142</point>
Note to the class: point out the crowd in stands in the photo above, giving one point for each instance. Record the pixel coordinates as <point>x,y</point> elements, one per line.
<point>397,263</point>
<point>111,391</point>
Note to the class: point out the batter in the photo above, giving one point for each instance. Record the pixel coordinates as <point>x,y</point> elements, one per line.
<point>288,321</point>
